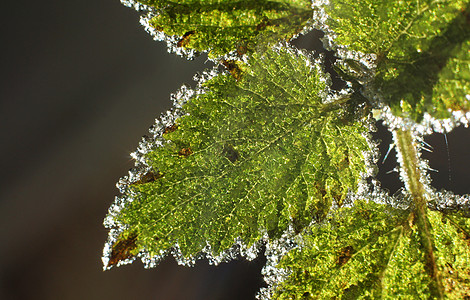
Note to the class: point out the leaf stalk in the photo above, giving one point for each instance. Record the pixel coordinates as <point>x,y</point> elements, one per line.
<point>407,148</point>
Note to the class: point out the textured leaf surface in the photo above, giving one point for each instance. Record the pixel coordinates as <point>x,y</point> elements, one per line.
<point>224,26</point>
<point>253,154</point>
<point>373,251</point>
<point>422,49</point>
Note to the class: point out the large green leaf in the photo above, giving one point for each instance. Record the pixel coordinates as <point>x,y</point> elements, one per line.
<point>422,49</point>
<point>223,26</point>
<point>373,251</point>
<point>258,151</point>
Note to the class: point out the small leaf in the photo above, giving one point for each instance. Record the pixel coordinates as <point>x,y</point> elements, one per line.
<point>374,251</point>
<point>422,50</point>
<point>250,157</point>
<point>227,26</point>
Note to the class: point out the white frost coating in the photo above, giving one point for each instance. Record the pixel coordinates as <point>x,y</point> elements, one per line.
<point>427,126</point>
<point>373,192</point>
<point>319,14</point>
<point>238,249</point>
<point>449,202</point>
<point>372,156</point>
<point>136,5</point>
<point>275,250</point>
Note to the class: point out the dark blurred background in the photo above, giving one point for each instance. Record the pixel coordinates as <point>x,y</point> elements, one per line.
<point>81,82</point>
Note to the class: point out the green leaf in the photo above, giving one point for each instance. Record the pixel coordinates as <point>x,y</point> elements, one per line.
<point>252,155</point>
<point>373,251</point>
<point>225,26</point>
<point>422,50</point>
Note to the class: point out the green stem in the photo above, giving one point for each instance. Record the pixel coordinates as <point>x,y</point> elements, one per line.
<point>410,164</point>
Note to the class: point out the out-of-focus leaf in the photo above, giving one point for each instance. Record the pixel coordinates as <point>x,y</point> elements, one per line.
<point>422,50</point>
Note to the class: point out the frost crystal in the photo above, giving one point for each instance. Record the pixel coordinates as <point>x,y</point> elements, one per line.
<point>275,250</point>
<point>449,202</point>
<point>134,4</point>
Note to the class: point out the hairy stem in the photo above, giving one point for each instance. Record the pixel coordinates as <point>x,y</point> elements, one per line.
<point>410,165</point>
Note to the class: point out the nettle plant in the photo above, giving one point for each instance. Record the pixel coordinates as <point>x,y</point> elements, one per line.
<point>264,154</point>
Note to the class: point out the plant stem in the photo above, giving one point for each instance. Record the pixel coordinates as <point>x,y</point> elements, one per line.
<point>414,184</point>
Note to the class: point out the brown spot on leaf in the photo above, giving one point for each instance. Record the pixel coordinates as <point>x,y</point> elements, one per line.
<point>381,58</point>
<point>123,249</point>
<point>344,163</point>
<point>150,176</point>
<point>265,22</point>
<point>185,39</point>
<point>241,49</point>
<point>170,129</point>
<point>185,152</point>
<point>233,68</point>
<point>230,153</point>
<point>344,255</point>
